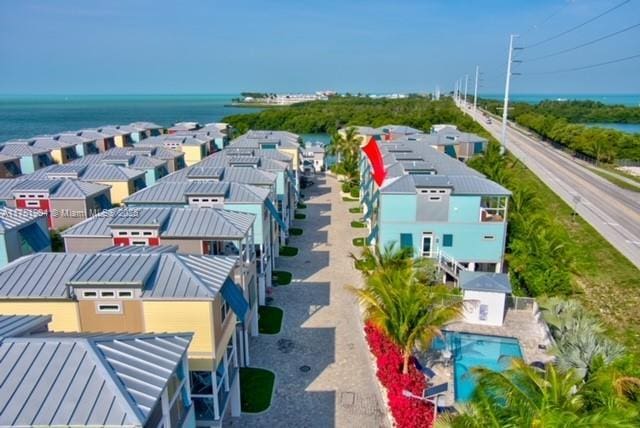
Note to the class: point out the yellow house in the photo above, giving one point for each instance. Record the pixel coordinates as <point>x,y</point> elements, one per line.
<point>194,149</point>
<point>61,152</point>
<point>143,289</point>
<point>121,134</point>
<point>123,181</point>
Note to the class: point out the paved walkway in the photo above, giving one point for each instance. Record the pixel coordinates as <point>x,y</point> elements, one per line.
<point>322,329</point>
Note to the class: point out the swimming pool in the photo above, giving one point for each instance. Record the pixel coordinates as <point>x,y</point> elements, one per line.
<point>473,350</point>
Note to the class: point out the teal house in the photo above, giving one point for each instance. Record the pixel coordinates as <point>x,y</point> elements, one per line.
<point>22,232</point>
<point>32,158</point>
<point>437,206</point>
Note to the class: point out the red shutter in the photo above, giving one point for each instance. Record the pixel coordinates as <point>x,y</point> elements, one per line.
<point>21,203</point>
<point>152,242</point>
<point>120,241</point>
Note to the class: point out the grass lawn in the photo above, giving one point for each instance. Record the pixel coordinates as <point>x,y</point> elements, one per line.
<point>270,319</point>
<point>288,251</point>
<point>615,180</point>
<point>358,242</point>
<point>358,224</point>
<point>344,198</point>
<point>356,210</point>
<point>301,206</point>
<point>300,216</point>
<point>606,282</point>
<point>282,277</point>
<point>295,231</point>
<point>256,389</point>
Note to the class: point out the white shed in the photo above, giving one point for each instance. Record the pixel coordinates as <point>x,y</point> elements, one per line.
<point>484,295</point>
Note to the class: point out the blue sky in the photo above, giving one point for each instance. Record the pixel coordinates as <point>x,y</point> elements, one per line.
<point>144,46</point>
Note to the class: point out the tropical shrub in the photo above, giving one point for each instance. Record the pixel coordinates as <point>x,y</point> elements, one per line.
<point>345,187</point>
<point>355,192</point>
<point>407,412</point>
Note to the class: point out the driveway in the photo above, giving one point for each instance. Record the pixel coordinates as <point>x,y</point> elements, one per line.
<point>324,374</point>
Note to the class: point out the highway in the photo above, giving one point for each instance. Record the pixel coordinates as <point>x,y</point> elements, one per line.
<point>614,212</point>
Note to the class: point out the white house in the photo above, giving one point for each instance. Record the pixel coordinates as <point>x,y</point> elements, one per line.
<point>484,295</point>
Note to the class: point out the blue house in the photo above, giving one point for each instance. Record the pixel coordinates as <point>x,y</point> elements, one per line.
<point>22,232</point>
<point>32,158</point>
<point>437,206</point>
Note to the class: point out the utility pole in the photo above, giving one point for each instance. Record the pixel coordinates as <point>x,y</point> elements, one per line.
<point>466,85</point>
<point>475,92</point>
<point>505,107</point>
<point>455,92</point>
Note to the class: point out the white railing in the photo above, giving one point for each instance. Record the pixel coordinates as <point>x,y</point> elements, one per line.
<point>448,264</point>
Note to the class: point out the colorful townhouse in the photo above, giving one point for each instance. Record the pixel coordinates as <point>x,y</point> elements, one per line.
<point>194,149</point>
<point>61,151</point>
<point>465,144</point>
<point>285,142</point>
<point>437,206</point>
<point>84,146</point>
<point>121,134</point>
<point>9,166</point>
<point>22,232</point>
<point>32,158</point>
<point>116,380</point>
<point>313,157</point>
<point>154,169</point>
<point>104,140</point>
<point>65,201</point>
<point>183,127</point>
<point>392,132</point>
<point>142,130</point>
<point>191,230</point>
<point>222,195</point>
<point>216,136</point>
<point>174,159</point>
<point>132,292</point>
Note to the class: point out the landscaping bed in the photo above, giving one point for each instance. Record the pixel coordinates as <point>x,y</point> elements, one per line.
<point>356,210</point>
<point>295,231</point>
<point>300,216</point>
<point>256,389</point>
<point>358,224</point>
<point>288,251</point>
<point>282,277</point>
<point>269,319</point>
<point>358,242</point>
<point>301,206</point>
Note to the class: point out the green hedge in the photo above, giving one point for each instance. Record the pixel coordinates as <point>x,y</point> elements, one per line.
<point>355,192</point>
<point>288,251</point>
<point>346,187</point>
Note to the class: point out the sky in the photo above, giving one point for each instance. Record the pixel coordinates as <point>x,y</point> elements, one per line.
<point>373,46</point>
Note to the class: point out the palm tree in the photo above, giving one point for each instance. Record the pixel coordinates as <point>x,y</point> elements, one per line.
<point>524,396</point>
<point>346,148</point>
<point>407,311</point>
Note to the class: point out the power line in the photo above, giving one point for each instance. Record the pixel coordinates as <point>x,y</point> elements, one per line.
<point>548,39</point>
<point>549,17</point>
<point>585,67</point>
<point>583,44</point>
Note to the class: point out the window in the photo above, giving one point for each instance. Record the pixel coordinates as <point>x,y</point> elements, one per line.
<point>435,198</point>
<point>125,294</point>
<point>89,294</point>
<point>195,199</point>
<point>224,309</point>
<point>489,237</point>
<point>406,240</point>
<point>147,233</point>
<point>107,294</point>
<point>33,203</point>
<point>493,208</point>
<point>135,233</point>
<point>122,233</point>
<point>447,240</point>
<point>138,242</point>
<point>110,308</point>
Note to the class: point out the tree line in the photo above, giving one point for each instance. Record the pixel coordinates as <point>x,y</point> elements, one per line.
<point>563,122</point>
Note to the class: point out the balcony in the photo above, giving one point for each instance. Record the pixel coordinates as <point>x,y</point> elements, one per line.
<point>493,209</point>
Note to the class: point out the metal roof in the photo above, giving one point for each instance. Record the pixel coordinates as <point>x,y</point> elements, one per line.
<point>18,325</point>
<point>140,249</point>
<point>168,192</point>
<point>485,281</point>
<point>60,188</point>
<point>166,275</point>
<point>22,148</point>
<point>144,126</point>
<point>461,185</point>
<point>102,380</point>
<point>110,173</point>
<point>14,218</point>
<point>249,175</point>
<point>172,222</point>
<point>39,276</point>
<point>52,143</point>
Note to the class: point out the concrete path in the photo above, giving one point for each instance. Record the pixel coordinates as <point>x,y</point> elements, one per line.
<point>322,329</point>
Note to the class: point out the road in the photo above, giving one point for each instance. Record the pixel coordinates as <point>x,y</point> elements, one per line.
<point>614,212</point>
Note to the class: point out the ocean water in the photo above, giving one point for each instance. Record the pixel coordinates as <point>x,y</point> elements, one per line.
<point>631,100</point>
<point>28,116</point>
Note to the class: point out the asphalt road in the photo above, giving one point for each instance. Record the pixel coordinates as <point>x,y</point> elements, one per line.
<point>614,212</point>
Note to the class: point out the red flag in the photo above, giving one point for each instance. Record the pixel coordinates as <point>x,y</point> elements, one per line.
<point>372,151</point>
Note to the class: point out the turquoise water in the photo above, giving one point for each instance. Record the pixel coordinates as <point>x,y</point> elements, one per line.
<point>627,99</point>
<point>631,128</point>
<point>473,350</point>
<point>27,116</point>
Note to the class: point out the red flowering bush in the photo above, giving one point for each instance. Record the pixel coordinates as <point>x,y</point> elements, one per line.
<point>407,412</point>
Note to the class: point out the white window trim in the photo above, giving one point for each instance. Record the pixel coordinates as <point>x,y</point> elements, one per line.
<point>100,308</point>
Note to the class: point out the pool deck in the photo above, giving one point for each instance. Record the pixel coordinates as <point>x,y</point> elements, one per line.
<point>523,325</point>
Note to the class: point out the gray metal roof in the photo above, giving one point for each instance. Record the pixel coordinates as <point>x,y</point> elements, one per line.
<point>460,184</point>
<point>109,380</point>
<point>143,126</point>
<point>110,173</point>
<point>24,278</point>
<point>22,148</point>
<point>14,218</point>
<point>168,192</point>
<point>60,188</point>
<point>106,269</point>
<point>472,185</point>
<point>248,175</point>
<point>18,325</point>
<point>485,281</point>
<point>172,222</point>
